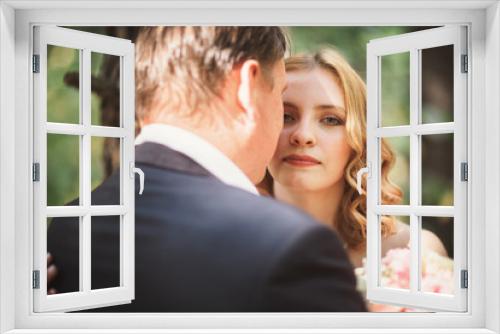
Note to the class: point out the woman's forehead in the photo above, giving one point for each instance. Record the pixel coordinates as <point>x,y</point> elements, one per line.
<point>316,86</point>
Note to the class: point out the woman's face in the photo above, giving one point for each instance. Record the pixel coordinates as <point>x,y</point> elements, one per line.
<point>312,150</point>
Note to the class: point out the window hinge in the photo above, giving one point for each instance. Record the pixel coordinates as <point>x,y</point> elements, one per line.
<point>464,284</point>
<point>36,63</point>
<point>465,64</point>
<point>36,172</point>
<point>36,279</point>
<point>464,171</point>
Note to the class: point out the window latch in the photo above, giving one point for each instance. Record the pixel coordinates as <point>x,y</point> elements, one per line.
<point>359,175</point>
<point>134,170</point>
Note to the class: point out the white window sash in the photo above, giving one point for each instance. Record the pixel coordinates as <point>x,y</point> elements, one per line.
<point>80,130</point>
<point>85,43</point>
<point>419,129</point>
<point>412,43</point>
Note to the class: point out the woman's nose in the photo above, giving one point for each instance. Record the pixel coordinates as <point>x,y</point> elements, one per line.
<point>302,136</point>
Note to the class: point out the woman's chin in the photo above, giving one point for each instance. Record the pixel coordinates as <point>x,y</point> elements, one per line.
<point>301,183</point>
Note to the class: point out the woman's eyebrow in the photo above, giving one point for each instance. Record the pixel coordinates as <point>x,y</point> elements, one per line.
<point>331,107</point>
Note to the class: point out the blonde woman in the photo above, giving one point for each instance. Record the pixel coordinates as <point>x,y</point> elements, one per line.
<point>321,148</point>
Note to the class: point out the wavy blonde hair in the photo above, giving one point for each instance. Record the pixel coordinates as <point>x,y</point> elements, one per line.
<point>350,222</point>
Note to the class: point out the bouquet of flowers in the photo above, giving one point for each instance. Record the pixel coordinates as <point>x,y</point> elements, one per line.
<point>437,275</point>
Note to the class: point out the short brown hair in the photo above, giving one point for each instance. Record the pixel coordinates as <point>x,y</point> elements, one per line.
<point>183,67</point>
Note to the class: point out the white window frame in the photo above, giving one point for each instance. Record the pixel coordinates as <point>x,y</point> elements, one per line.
<point>16,20</point>
<point>413,44</point>
<point>84,43</point>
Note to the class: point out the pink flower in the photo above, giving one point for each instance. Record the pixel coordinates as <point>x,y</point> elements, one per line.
<point>396,269</point>
<point>437,275</point>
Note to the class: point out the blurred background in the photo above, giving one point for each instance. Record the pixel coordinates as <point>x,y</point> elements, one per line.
<point>436,100</point>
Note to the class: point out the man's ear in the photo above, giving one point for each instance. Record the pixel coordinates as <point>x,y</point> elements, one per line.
<point>247,89</point>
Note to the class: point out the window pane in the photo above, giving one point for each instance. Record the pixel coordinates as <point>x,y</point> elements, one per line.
<point>395,262</point>
<point>63,165</point>
<point>437,261</point>
<point>395,91</point>
<point>437,169</point>
<point>105,259</point>
<point>395,172</point>
<point>65,252</point>
<point>105,163</point>
<point>105,98</point>
<point>63,81</point>
<point>437,84</point>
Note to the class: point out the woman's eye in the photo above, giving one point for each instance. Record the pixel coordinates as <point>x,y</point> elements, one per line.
<point>287,118</point>
<point>330,120</point>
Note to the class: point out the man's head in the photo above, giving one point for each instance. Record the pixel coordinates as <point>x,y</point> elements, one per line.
<point>223,83</point>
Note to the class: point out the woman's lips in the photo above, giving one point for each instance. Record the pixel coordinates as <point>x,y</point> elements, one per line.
<point>301,160</point>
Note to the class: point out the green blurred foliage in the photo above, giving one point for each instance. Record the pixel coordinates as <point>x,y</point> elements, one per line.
<point>98,171</point>
<point>63,106</point>
<point>395,81</point>
<point>62,169</point>
<point>350,41</point>
<point>96,60</point>
<point>62,100</point>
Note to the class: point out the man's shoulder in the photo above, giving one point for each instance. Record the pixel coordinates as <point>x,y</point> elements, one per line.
<point>174,196</point>
<point>236,204</point>
<point>202,191</point>
<point>207,200</point>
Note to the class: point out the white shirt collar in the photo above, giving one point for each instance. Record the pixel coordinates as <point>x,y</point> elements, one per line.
<point>198,149</point>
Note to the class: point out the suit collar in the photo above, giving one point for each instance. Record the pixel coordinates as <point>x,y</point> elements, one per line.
<point>161,156</point>
<point>201,151</point>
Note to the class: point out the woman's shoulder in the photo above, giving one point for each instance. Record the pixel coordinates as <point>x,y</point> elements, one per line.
<point>401,239</point>
<point>430,241</point>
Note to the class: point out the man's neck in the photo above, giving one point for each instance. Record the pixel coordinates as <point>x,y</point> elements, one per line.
<point>212,135</point>
<point>200,149</point>
<point>225,141</point>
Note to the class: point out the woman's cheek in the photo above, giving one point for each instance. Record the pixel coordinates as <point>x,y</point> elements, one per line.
<point>338,155</point>
<point>282,145</point>
<point>274,165</point>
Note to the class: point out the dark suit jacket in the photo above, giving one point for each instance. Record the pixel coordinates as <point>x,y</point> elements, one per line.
<point>204,246</point>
